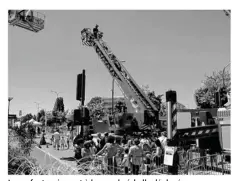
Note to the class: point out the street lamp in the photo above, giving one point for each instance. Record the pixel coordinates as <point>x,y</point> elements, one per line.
<point>37,105</point>
<point>9,99</point>
<point>57,93</point>
<point>122,61</point>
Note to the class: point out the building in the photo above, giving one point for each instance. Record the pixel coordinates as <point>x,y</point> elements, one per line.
<point>107,102</point>
<point>11,120</point>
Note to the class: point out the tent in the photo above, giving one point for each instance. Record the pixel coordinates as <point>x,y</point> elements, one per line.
<point>35,123</point>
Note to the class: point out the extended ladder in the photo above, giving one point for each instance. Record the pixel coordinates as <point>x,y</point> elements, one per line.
<point>139,101</point>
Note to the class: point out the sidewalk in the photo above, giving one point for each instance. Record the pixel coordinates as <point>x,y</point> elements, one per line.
<point>51,155</point>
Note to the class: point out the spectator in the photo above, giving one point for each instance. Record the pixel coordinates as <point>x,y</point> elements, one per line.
<point>173,170</point>
<point>85,152</point>
<point>104,140</point>
<point>158,154</point>
<point>68,140</point>
<point>163,140</point>
<point>42,139</point>
<point>125,161</point>
<point>62,143</point>
<point>111,151</point>
<point>92,147</point>
<point>77,148</point>
<point>136,154</point>
<point>118,156</point>
<point>57,139</point>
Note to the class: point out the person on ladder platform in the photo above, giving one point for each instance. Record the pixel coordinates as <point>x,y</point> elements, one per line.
<point>95,31</point>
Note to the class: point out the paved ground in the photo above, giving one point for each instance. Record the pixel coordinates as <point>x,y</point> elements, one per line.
<point>50,156</point>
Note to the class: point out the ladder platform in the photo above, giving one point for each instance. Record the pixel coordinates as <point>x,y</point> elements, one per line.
<point>34,21</point>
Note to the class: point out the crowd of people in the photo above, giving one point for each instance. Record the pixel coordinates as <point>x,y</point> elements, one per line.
<point>117,154</point>
<point>125,154</point>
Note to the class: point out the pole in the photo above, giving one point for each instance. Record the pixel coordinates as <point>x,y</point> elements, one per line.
<point>9,99</point>
<point>82,101</point>
<point>169,120</point>
<point>113,99</point>
<point>197,140</point>
<point>8,108</point>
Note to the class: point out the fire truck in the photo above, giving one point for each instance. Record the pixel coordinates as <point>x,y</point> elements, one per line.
<point>208,128</point>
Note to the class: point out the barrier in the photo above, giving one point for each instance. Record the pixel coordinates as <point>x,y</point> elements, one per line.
<point>208,165</point>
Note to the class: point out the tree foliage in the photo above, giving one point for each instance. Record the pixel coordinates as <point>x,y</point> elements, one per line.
<point>59,105</point>
<point>96,108</point>
<point>156,100</point>
<point>26,118</point>
<point>204,96</point>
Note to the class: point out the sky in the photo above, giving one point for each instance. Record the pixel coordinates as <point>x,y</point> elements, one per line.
<point>162,49</point>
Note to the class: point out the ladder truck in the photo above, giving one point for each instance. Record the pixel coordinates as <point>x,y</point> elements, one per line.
<point>138,104</point>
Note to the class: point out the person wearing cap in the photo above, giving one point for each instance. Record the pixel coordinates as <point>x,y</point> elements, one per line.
<point>136,155</point>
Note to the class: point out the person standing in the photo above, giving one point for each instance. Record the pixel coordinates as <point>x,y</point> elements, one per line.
<point>163,140</point>
<point>136,155</point>
<point>111,151</point>
<point>125,161</point>
<point>95,31</point>
<point>57,139</point>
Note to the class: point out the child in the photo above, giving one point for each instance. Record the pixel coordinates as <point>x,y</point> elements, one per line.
<point>125,161</point>
<point>62,143</point>
<point>67,141</point>
<point>52,141</point>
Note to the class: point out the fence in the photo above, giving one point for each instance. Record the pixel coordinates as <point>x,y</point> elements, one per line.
<point>190,163</point>
<point>208,165</point>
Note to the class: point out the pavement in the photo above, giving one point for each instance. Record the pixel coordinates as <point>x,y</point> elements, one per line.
<point>47,156</point>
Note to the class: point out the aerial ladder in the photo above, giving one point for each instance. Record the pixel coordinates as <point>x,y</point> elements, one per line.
<point>28,19</point>
<point>139,103</point>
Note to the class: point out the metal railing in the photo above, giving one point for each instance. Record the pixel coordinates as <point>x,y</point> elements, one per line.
<point>150,165</point>
<point>208,165</point>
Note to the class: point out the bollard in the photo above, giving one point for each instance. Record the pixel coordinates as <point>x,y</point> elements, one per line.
<point>172,113</point>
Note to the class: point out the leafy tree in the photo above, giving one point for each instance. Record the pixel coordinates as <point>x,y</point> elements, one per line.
<point>58,111</point>
<point>204,96</point>
<point>59,105</point>
<point>156,100</point>
<point>26,118</point>
<point>96,108</point>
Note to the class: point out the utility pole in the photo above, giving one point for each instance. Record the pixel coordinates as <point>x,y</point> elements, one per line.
<point>37,106</point>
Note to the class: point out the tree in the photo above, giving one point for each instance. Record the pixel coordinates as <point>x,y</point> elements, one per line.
<point>156,100</point>
<point>58,111</point>
<point>26,118</point>
<point>96,108</point>
<point>59,105</point>
<point>204,96</point>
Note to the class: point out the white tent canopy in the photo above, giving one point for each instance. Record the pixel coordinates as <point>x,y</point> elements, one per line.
<point>35,123</point>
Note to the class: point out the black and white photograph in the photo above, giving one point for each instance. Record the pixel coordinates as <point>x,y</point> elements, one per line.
<point>119,92</point>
